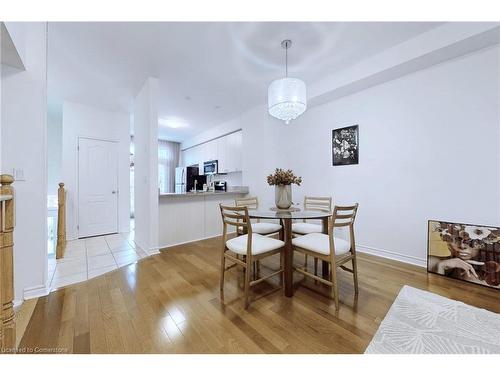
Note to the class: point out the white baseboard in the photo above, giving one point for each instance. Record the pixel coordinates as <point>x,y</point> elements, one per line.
<point>392,255</point>
<point>153,251</point>
<point>17,303</point>
<point>185,242</point>
<point>148,250</point>
<point>195,240</point>
<point>35,292</point>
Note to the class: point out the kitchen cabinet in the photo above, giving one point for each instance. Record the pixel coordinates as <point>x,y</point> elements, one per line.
<point>200,156</point>
<point>210,151</point>
<point>188,157</point>
<point>222,154</point>
<point>233,151</point>
<point>185,218</point>
<point>227,150</point>
<point>193,156</point>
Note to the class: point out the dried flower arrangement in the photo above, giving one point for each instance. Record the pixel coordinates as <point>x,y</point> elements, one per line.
<point>283,177</point>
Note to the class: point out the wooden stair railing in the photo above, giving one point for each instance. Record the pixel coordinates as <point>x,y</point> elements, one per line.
<point>7,323</point>
<point>61,221</point>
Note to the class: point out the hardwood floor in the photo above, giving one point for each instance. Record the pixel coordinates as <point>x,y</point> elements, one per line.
<point>169,303</point>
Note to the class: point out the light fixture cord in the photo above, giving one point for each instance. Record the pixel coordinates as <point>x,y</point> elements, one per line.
<point>286,61</point>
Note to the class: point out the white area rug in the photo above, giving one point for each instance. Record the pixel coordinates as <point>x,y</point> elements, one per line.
<point>420,322</point>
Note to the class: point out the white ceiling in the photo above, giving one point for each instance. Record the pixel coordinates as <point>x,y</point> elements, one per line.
<point>208,72</point>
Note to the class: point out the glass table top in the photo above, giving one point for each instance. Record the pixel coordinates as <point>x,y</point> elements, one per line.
<point>263,214</point>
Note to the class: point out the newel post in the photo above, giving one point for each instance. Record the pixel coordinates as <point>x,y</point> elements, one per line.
<point>7,324</point>
<point>61,221</point>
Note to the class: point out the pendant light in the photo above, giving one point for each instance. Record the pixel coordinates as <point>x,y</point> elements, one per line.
<point>286,97</point>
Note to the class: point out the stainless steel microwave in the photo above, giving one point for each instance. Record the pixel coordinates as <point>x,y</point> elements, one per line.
<point>210,167</point>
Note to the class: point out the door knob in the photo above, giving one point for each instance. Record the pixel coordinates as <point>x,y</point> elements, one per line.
<point>113,192</point>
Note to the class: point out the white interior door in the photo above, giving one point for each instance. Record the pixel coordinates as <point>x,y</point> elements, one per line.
<point>97,187</point>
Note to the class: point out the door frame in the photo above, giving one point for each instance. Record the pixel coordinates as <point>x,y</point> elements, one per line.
<point>117,142</point>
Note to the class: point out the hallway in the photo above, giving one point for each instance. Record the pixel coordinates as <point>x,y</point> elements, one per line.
<point>87,258</point>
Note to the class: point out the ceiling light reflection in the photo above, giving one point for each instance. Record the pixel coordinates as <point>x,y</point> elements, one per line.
<point>173,122</point>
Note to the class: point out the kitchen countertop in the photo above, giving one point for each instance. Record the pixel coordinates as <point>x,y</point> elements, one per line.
<point>204,193</point>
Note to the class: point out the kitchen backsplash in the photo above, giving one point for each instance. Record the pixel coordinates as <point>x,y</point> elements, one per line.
<point>232,179</point>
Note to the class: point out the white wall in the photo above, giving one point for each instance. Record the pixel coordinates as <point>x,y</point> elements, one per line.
<point>54,152</point>
<point>233,179</point>
<point>18,35</point>
<point>85,121</point>
<point>429,149</point>
<point>24,147</point>
<point>146,190</point>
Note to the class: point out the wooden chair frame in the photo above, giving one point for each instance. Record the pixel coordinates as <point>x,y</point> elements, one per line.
<point>238,217</point>
<point>315,204</point>
<point>253,204</point>
<point>339,219</point>
<point>250,202</point>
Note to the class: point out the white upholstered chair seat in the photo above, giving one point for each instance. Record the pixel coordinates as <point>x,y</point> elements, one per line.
<point>265,228</point>
<point>306,228</point>
<point>260,244</point>
<point>320,243</point>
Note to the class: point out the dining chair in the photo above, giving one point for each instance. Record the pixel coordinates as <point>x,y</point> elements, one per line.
<point>264,228</point>
<point>333,250</point>
<point>312,204</point>
<point>259,227</point>
<point>253,247</point>
<point>302,228</point>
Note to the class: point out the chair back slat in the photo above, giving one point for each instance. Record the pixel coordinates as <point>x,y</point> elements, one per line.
<point>318,204</point>
<point>347,208</point>
<point>251,202</point>
<point>232,216</point>
<point>235,216</point>
<point>344,216</point>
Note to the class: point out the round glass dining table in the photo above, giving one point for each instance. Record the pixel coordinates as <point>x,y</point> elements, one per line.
<point>286,218</point>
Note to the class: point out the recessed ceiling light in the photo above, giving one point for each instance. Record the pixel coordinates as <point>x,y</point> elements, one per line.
<point>173,122</point>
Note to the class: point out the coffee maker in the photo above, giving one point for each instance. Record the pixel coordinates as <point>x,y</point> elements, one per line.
<point>220,186</point>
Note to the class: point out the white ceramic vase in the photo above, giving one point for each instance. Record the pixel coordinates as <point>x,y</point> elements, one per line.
<point>283,196</point>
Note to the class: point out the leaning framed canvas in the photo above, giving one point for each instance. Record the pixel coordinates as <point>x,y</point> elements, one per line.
<point>345,145</point>
<point>465,252</point>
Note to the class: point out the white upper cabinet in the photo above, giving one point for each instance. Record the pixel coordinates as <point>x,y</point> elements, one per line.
<point>200,157</point>
<point>210,151</point>
<point>234,151</point>
<point>193,156</point>
<point>227,150</point>
<point>222,154</point>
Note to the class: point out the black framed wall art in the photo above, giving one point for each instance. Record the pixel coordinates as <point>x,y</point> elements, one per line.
<point>345,145</point>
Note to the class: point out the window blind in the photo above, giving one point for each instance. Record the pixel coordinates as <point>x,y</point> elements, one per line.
<point>168,160</point>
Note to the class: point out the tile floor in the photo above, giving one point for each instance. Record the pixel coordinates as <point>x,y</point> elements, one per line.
<point>91,257</point>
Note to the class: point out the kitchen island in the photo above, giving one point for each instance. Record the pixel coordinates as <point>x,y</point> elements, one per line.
<point>186,217</point>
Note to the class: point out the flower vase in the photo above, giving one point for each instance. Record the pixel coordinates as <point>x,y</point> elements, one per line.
<point>283,196</point>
